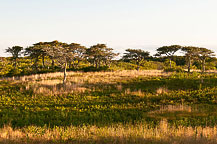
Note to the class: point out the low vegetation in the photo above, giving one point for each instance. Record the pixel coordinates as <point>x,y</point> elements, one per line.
<point>109,107</point>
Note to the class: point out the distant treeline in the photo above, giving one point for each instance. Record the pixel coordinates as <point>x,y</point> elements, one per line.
<point>55,55</point>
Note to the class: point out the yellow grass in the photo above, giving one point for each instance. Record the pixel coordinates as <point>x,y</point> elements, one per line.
<point>124,73</point>
<point>137,133</point>
<point>51,83</point>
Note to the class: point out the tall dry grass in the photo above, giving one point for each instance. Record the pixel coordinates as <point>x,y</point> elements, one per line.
<point>123,73</point>
<point>51,83</point>
<point>137,133</point>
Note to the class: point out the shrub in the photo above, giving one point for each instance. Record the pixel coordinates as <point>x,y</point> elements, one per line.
<point>174,69</point>
<point>167,63</point>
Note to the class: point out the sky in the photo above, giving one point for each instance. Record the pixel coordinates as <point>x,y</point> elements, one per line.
<point>121,24</point>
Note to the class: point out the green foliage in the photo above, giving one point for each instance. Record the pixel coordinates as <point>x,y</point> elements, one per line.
<point>15,51</point>
<point>137,56</point>
<point>14,72</point>
<point>167,63</point>
<point>147,65</point>
<point>169,51</point>
<point>99,55</point>
<point>123,66</point>
<point>211,66</point>
<point>172,67</point>
<point>5,67</point>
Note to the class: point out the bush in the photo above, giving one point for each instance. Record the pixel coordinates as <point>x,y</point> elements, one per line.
<point>167,63</point>
<point>174,69</point>
<point>147,65</point>
<point>14,72</point>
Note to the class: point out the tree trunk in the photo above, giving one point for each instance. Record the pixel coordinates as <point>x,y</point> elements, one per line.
<point>15,63</point>
<point>170,63</point>
<point>99,64</point>
<point>138,66</point>
<point>43,61</point>
<point>203,66</point>
<point>70,65</point>
<point>96,64</point>
<point>64,79</point>
<point>35,65</point>
<point>78,64</point>
<point>109,64</point>
<point>52,64</point>
<point>189,64</point>
<point>73,64</point>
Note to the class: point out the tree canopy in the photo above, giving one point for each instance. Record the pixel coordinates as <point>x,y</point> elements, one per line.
<point>136,55</point>
<point>97,54</point>
<point>169,51</point>
<point>203,55</point>
<point>15,51</point>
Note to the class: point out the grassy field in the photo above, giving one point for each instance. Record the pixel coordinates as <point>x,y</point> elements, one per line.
<point>109,107</point>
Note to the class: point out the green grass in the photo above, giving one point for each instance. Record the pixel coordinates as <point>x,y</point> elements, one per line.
<point>126,101</point>
<point>106,104</point>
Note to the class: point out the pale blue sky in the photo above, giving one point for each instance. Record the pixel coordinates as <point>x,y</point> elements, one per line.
<point>121,24</point>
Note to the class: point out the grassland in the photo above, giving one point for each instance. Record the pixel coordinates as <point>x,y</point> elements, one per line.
<point>109,107</point>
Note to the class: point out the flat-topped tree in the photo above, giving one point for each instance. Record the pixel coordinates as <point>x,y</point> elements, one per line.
<point>136,55</point>
<point>99,53</point>
<point>15,51</point>
<point>191,53</point>
<point>108,56</point>
<point>51,48</point>
<point>34,52</point>
<point>61,52</point>
<point>79,54</point>
<point>40,49</point>
<point>168,51</point>
<point>203,55</point>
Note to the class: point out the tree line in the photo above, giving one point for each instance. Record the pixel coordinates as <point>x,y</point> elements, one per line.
<point>70,55</point>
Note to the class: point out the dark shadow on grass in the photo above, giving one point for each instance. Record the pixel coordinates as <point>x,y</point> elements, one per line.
<point>116,140</point>
<point>151,85</point>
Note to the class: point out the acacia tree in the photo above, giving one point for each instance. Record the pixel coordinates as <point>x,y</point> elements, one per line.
<point>109,55</point>
<point>39,47</point>
<point>51,48</point>
<point>191,53</point>
<point>79,54</point>
<point>203,55</point>
<point>169,51</point>
<point>61,52</point>
<point>99,53</point>
<point>34,52</point>
<point>136,55</point>
<point>15,51</point>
